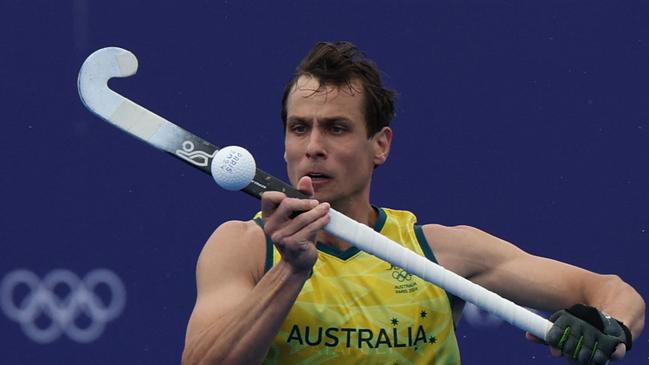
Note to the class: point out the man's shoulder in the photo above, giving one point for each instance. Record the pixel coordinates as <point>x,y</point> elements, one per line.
<point>462,249</point>
<point>235,241</point>
<point>441,231</point>
<point>451,243</point>
<point>237,236</point>
<point>452,237</point>
<point>249,227</point>
<point>242,230</point>
<point>398,216</point>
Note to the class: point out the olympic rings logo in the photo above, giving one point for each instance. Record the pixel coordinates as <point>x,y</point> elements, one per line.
<point>82,301</point>
<point>401,276</point>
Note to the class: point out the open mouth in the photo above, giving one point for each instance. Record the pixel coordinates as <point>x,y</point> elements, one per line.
<point>316,176</point>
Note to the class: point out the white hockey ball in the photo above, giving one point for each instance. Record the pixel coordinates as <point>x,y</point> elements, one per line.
<point>233,168</point>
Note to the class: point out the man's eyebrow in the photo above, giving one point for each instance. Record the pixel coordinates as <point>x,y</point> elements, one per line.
<point>295,119</point>
<point>335,119</point>
<point>327,120</point>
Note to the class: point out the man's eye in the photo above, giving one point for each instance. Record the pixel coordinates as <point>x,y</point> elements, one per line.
<point>337,129</point>
<point>298,128</point>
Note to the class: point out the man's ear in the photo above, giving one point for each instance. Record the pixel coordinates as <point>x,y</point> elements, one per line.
<point>382,140</point>
<point>285,160</point>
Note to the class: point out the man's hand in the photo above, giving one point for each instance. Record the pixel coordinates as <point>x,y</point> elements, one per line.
<point>295,236</point>
<point>584,335</point>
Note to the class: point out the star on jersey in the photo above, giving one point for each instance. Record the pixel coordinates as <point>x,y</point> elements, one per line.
<point>423,314</point>
<point>394,321</point>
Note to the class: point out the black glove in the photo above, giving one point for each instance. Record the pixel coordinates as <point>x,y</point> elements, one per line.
<point>587,335</point>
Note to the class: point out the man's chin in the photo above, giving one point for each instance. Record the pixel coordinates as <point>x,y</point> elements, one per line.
<point>322,196</point>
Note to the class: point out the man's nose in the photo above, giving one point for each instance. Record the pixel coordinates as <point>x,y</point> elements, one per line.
<point>316,145</point>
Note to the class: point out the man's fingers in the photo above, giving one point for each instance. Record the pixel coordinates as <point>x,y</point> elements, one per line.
<point>269,202</point>
<point>533,338</point>
<point>555,351</point>
<point>286,210</point>
<point>620,351</point>
<point>322,221</point>
<point>301,223</point>
<point>305,186</point>
<point>275,202</point>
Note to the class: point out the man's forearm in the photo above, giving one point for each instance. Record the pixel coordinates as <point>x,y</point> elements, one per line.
<point>245,335</point>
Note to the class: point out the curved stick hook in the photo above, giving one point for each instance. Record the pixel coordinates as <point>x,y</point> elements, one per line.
<point>101,66</point>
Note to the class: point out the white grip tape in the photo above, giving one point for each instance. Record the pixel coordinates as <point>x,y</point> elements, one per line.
<point>370,241</point>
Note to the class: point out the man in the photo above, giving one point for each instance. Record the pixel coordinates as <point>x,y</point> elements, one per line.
<point>290,293</point>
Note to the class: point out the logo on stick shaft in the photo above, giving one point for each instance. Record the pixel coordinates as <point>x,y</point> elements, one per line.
<point>198,158</point>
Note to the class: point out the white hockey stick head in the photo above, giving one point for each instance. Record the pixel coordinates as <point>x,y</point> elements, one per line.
<point>99,67</point>
<point>118,110</point>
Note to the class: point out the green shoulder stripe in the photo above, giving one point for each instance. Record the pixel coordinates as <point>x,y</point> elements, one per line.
<point>425,247</point>
<point>423,243</point>
<point>269,247</point>
<point>380,219</point>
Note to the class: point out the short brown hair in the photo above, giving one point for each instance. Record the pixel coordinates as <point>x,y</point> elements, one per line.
<point>338,64</point>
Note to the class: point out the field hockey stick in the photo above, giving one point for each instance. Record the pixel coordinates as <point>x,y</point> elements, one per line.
<point>134,119</point>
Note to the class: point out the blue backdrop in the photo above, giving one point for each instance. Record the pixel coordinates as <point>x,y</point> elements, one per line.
<point>528,120</point>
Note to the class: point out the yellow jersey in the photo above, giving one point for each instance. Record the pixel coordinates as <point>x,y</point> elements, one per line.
<point>358,309</point>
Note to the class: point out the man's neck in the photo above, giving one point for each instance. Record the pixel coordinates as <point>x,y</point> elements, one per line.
<point>362,213</point>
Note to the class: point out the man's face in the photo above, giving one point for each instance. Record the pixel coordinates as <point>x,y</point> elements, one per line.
<point>326,139</point>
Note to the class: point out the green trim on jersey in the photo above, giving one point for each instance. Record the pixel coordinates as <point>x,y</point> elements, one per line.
<point>269,246</point>
<point>423,242</point>
<point>425,246</point>
<point>352,251</point>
